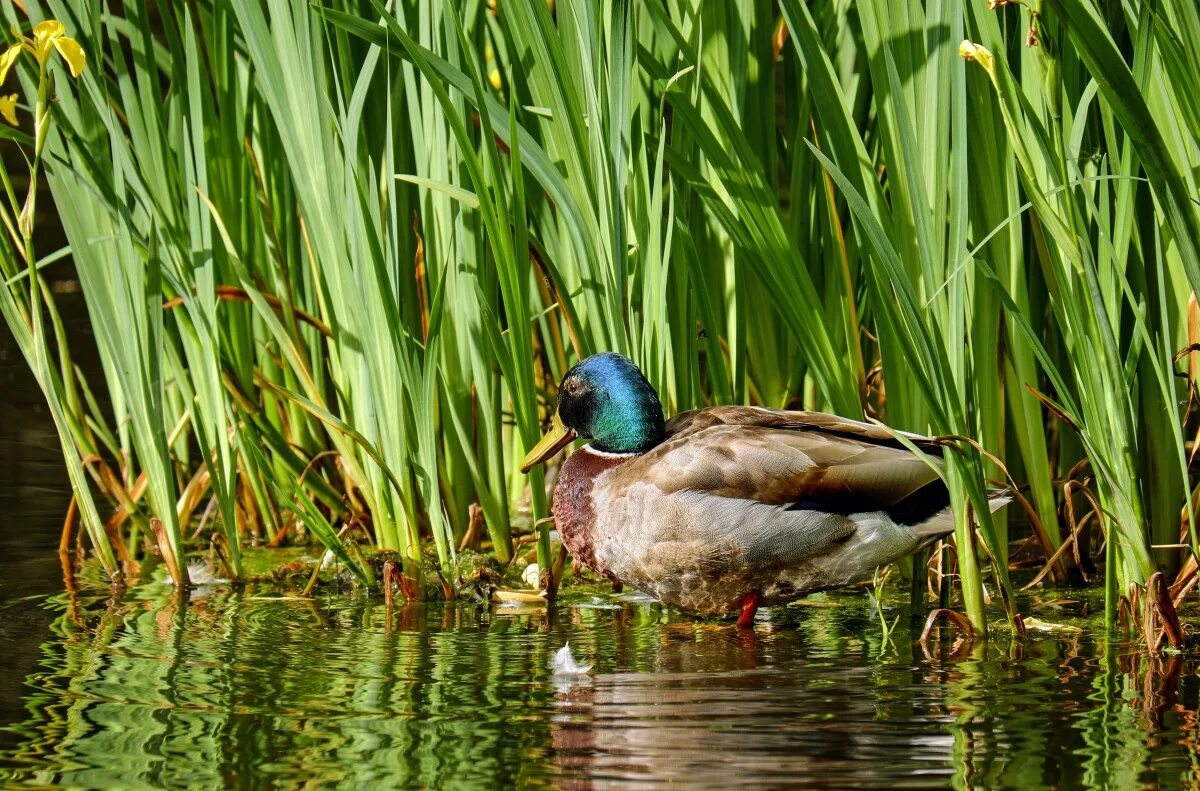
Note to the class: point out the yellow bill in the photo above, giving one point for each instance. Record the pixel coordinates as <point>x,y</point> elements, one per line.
<point>555,440</point>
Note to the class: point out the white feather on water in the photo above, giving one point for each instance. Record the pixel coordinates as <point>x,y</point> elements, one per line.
<point>563,663</point>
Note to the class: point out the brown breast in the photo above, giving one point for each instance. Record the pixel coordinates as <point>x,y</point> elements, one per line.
<point>573,512</point>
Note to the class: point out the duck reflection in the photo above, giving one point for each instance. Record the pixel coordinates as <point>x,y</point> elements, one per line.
<point>722,705</point>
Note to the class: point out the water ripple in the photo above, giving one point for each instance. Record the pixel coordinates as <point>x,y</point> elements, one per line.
<point>242,689</point>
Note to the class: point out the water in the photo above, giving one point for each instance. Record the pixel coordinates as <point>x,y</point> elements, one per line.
<point>242,689</point>
<point>239,689</point>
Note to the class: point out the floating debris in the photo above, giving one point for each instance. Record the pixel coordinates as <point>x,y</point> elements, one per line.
<point>597,603</point>
<point>635,597</point>
<point>199,574</point>
<point>508,598</point>
<point>1047,626</point>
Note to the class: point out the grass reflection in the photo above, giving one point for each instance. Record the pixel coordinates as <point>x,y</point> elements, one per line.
<point>239,689</point>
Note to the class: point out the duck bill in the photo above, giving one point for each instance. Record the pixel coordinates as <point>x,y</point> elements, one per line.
<point>557,438</point>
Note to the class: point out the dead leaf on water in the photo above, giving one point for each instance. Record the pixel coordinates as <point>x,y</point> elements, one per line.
<point>519,597</point>
<point>1048,626</point>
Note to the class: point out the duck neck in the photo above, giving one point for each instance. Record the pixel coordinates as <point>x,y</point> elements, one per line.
<point>574,508</point>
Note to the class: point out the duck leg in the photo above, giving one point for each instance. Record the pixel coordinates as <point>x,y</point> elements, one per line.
<point>750,604</point>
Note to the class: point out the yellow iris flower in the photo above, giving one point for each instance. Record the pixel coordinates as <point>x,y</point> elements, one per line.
<point>8,108</point>
<point>8,59</point>
<point>968,50</point>
<point>48,37</point>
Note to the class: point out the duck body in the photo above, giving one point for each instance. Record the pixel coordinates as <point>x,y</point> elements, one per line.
<point>738,501</point>
<point>728,507</point>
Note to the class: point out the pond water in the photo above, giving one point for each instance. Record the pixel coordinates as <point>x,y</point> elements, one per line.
<point>247,689</point>
<point>244,689</point>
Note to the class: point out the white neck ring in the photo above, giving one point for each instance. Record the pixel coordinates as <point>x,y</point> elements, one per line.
<point>604,454</point>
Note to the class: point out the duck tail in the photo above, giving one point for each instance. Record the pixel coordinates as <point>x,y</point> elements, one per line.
<point>942,522</point>
<point>936,526</point>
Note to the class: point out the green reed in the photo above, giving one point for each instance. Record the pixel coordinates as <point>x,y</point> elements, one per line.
<point>336,257</point>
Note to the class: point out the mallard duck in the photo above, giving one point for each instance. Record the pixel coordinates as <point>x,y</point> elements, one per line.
<point>723,509</point>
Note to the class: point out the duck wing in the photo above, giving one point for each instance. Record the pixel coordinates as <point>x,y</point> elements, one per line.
<point>782,457</point>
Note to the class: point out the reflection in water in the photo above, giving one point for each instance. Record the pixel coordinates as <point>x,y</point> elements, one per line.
<point>34,494</point>
<point>236,689</point>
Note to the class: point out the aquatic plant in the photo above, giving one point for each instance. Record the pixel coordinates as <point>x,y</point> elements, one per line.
<point>336,256</point>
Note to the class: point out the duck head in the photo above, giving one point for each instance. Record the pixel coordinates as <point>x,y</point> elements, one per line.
<point>605,399</point>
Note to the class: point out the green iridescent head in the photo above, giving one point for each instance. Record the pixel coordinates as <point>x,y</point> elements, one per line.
<point>605,399</point>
